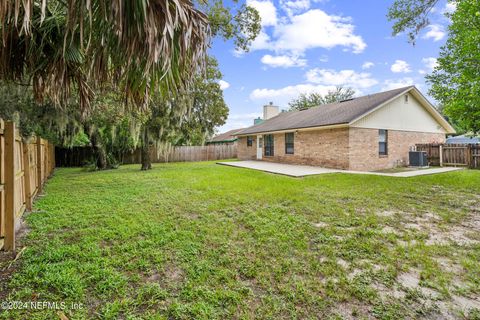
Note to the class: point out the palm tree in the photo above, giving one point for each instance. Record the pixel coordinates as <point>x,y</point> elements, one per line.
<point>141,46</point>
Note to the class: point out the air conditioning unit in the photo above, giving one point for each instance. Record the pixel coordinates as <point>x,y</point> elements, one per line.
<point>417,159</point>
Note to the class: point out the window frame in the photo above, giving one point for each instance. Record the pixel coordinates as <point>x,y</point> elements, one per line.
<point>249,141</point>
<point>289,144</point>
<point>383,133</point>
<point>268,145</point>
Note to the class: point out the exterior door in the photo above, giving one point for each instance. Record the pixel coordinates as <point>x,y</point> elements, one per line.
<point>259,147</point>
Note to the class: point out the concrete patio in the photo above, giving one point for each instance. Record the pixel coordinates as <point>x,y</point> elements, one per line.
<point>302,171</point>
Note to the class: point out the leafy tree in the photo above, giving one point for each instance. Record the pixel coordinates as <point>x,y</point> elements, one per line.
<point>455,81</point>
<point>410,16</point>
<point>208,109</point>
<point>109,128</point>
<point>314,99</point>
<point>187,119</point>
<point>18,104</point>
<point>242,23</point>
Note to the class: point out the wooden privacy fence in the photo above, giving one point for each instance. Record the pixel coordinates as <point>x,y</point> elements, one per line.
<point>452,154</point>
<point>73,157</point>
<point>78,156</point>
<point>186,154</point>
<point>24,167</point>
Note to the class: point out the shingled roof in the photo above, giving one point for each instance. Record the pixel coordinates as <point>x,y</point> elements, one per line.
<point>325,115</point>
<point>228,136</point>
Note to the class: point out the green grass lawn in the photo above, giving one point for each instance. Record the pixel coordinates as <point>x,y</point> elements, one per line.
<point>204,241</point>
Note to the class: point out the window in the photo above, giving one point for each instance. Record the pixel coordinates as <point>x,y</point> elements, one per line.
<point>268,145</point>
<point>249,141</point>
<point>382,142</point>
<point>289,142</point>
<point>406,98</point>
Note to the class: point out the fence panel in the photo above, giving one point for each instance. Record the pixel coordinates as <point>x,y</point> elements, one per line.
<point>452,154</point>
<point>33,171</point>
<point>475,156</point>
<point>455,155</point>
<point>2,181</point>
<point>78,156</point>
<point>19,175</point>
<point>24,167</point>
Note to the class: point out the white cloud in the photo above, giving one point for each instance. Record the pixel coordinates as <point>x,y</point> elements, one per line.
<point>284,95</point>
<point>430,64</point>
<point>367,65</point>
<point>400,66</point>
<point>398,83</point>
<point>283,61</point>
<point>267,11</point>
<point>435,32</point>
<point>348,78</point>
<point>237,121</point>
<point>262,41</point>
<point>450,7</point>
<point>223,84</point>
<point>311,29</point>
<point>293,6</point>
<point>315,28</point>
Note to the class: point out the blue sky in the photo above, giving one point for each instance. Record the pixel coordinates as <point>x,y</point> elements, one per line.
<point>315,45</point>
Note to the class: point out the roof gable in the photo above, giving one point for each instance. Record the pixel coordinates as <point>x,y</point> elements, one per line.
<point>342,113</point>
<point>226,136</point>
<point>400,115</point>
<point>418,114</point>
<point>324,115</point>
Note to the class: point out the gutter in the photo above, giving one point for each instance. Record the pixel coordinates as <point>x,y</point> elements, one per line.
<point>332,126</point>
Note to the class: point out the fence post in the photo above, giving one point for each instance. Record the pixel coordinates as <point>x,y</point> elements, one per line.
<point>2,181</point>
<point>9,136</point>
<point>440,154</point>
<point>26,177</point>
<point>39,164</point>
<point>469,156</point>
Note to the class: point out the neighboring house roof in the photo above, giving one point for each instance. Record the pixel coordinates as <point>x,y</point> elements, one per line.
<point>464,139</point>
<point>340,113</point>
<point>228,136</point>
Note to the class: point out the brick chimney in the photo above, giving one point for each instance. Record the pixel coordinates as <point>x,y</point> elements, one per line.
<point>270,111</point>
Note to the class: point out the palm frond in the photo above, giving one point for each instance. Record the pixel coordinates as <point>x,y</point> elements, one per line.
<point>139,45</point>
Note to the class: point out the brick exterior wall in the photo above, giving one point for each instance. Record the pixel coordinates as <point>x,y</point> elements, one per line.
<point>343,148</point>
<point>364,148</point>
<point>244,152</point>
<point>325,148</point>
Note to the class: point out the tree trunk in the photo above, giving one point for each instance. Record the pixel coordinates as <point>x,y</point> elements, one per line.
<point>146,160</point>
<point>145,152</point>
<point>102,158</point>
<point>100,152</point>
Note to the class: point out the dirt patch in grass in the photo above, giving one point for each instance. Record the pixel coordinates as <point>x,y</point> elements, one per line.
<point>386,213</point>
<point>439,232</point>
<point>409,279</point>
<point>352,311</point>
<point>387,293</point>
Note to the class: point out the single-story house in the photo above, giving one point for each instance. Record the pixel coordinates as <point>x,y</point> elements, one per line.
<point>367,133</point>
<point>228,137</point>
